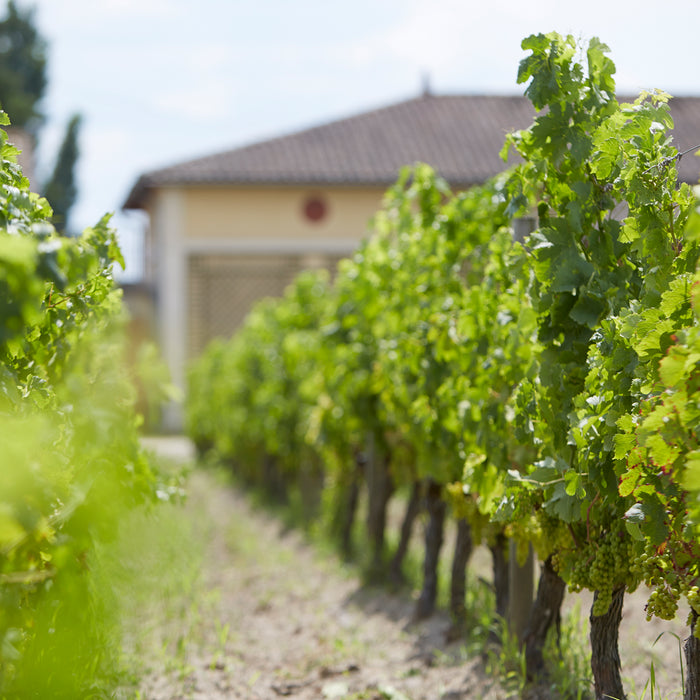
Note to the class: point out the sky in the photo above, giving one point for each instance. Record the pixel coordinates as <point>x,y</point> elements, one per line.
<point>159,82</point>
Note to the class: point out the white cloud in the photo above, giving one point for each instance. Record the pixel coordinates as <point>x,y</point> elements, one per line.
<point>101,166</point>
<point>476,45</point>
<point>207,100</point>
<point>211,57</point>
<point>105,143</point>
<point>99,13</point>
<point>151,8</point>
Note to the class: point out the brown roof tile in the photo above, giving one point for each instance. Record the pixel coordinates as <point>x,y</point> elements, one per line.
<point>460,136</point>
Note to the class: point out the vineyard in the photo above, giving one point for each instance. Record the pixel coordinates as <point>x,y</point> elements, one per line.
<point>520,361</point>
<point>521,358</point>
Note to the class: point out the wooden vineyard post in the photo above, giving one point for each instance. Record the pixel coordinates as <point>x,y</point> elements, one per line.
<point>521,591</point>
<point>523,226</point>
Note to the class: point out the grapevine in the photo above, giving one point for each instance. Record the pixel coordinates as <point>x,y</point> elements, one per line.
<point>548,387</point>
<point>72,463</point>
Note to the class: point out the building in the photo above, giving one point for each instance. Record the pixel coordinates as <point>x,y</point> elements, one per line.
<point>235,226</point>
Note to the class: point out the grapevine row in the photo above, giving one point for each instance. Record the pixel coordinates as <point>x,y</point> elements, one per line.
<point>546,389</point>
<point>72,465</point>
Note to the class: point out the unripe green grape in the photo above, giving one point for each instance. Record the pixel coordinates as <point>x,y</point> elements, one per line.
<point>693,597</point>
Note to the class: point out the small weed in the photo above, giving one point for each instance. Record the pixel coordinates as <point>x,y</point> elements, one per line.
<point>254,678</point>
<point>506,660</point>
<point>387,692</point>
<point>480,606</point>
<point>222,634</point>
<point>568,657</point>
<point>152,570</point>
<point>652,685</point>
<point>412,672</point>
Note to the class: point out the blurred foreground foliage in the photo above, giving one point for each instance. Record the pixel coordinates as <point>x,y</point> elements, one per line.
<point>72,466</point>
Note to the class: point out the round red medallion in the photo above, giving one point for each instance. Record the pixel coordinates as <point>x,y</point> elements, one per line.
<point>315,208</point>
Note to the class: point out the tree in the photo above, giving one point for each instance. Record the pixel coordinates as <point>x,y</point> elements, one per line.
<point>23,82</point>
<point>22,68</point>
<point>61,190</point>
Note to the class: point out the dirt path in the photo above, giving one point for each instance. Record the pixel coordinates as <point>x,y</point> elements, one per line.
<point>300,626</point>
<point>283,621</point>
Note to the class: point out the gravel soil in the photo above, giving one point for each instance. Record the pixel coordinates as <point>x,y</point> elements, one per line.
<point>283,620</point>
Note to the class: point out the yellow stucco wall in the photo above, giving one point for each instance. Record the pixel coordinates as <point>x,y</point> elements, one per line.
<point>212,250</point>
<point>250,213</point>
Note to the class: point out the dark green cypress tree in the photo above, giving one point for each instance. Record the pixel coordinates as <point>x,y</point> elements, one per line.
<point>61,189</point>
<point>22,68</point>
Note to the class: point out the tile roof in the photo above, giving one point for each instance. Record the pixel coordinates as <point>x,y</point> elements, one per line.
<point>460,136</point>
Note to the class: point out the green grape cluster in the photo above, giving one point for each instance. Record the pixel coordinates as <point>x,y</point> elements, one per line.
<point>521,505</point>
<point>602,566</point>
<point>693,596</point>
<point>656,567</point>
<point>552,537</point>
<point>663,603</point>
<point>547,535</point>
<point>463,505</point>
<point>653,566</point>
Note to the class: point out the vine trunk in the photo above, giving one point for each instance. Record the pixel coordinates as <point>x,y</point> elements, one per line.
<point>412,510</point>
<point>380,487</point>
<point>347,506</point>
<point>434,532</point>
<point>605,655</point>
<point>501,576</point>
<point>692,662</point>
<point>458,584</point>
<point>546,610</point>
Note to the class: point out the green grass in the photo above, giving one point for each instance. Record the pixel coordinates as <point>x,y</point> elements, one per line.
<point>151,573</point>
<point>569,658</point>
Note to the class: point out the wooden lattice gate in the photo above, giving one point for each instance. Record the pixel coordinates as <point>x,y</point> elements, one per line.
<point>222,289</point>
